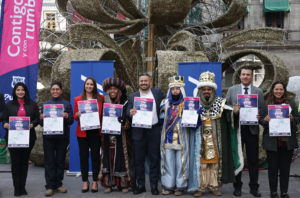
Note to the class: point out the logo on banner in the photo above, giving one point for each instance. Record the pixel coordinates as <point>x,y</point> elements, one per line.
<point>194,81</point>
<point>17,79</point>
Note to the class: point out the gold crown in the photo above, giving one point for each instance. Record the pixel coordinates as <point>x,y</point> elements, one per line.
<point>176,79</point>
<point>207,77</point>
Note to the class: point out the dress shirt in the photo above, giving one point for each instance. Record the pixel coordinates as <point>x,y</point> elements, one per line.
<point>154,115</point>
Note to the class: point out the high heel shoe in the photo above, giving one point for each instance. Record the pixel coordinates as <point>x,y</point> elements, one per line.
<point>87,189</point>
<point>94,190</point>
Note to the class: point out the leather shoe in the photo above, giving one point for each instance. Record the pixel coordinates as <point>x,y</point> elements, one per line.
<point>255,193</point>
<point>274,195</point>
<point>139,190</point>
<point>284,195</point>
<point>237,192</point>
<point>154,191</point>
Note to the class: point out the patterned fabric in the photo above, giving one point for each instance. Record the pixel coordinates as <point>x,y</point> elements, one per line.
<point>108,82</point>
<point>216,109</point>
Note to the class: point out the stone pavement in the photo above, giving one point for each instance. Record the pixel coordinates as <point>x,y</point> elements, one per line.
<point>35,185</point>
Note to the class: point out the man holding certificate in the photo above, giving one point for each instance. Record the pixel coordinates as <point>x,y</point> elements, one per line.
<point>279,138</point>
<point>146,141</point>
<point>211,160</point>
<point>115,162</point>
<point>248,127</point>
<point>174,140</point>
<point>56,118</point>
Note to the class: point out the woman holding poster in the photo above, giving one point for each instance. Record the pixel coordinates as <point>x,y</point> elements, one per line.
<point>280,148</point>
<point>88,139</point>
<point>56,111</point>
<point>21,106</point>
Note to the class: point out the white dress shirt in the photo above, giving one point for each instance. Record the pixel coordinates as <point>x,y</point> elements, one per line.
<point>154,115</point>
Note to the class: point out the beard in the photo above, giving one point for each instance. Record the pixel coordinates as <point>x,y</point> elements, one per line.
<point>207,102</point>
<point>175,97</point>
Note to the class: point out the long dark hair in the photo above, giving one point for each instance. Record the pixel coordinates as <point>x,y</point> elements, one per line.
<point>271,98</point>
<point>96,95</point>
<point>26,96</point>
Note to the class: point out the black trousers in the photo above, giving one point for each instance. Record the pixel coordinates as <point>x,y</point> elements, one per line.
<point>19,166</point>
<point>279,161</point>
<point>251,143</point>
<point>54,161</point>
<point>149,145</point>
<point>92,142</point>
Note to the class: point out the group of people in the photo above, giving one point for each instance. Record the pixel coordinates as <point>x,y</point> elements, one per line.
<point>184,159</point>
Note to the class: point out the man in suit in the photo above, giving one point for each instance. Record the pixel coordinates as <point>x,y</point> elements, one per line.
<point>249,133</point>
<point>146,141</point>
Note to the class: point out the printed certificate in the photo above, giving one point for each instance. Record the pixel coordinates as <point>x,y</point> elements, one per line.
<point>280,123</point>
<point>189,115</point>
<point>18,134</point>
<point>249,109</point>
<point>89,118</point>
<point>53,120</point>
<point>144,114</point>
<point>110,123</point>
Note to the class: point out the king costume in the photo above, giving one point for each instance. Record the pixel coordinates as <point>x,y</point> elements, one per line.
<point>211,154</point>
<point>114,170</point>
<point>174,141</point>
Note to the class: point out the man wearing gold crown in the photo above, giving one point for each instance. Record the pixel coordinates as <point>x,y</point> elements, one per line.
<point>211,161</point>
<point>174,140</point>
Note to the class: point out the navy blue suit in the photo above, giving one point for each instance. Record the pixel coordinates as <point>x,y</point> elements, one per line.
<point>147,142</point>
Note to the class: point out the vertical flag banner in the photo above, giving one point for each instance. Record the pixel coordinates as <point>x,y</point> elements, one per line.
<point>19,45</point>
<point>80,70</point>
<point>192,71</point>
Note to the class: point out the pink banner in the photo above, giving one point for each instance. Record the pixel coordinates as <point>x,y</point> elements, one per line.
<point>20,34</point>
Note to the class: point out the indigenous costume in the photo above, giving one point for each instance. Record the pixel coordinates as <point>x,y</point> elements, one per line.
<point>174,141</point>
<point>211,161</point>
<point>115,161</point>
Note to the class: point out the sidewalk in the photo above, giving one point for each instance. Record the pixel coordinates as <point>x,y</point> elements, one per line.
<point>35,185</point>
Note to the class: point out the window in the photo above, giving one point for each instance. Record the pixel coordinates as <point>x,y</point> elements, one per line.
<point>50,21</point>
<point>274,19</point>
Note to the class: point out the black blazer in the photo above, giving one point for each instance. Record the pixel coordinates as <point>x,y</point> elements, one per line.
<point>158,97</point>
<point>32,111</point>
<point>270,143</point>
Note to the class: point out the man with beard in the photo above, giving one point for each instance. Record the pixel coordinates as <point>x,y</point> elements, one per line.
<point>249,133</point>
<point>114,169</point>
<point>146,141</point>
<point>174,140</point>
<point>211,161</point>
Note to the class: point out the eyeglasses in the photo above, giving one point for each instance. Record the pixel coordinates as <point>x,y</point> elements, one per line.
<point>55,89</point>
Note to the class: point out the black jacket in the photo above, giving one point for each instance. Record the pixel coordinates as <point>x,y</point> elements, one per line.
<point>270,143</point>
<point>67,122</point>
<point>32,111</point>
<point>158,97</point>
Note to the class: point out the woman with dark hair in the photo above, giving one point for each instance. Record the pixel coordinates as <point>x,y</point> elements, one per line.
<point>55,145</point>
<point>280,149</point>
<point>21,105</point>
<point>89,139</point>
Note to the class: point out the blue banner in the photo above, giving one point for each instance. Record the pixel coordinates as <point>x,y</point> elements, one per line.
<point>80,70</point>
<point>192,71</point>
